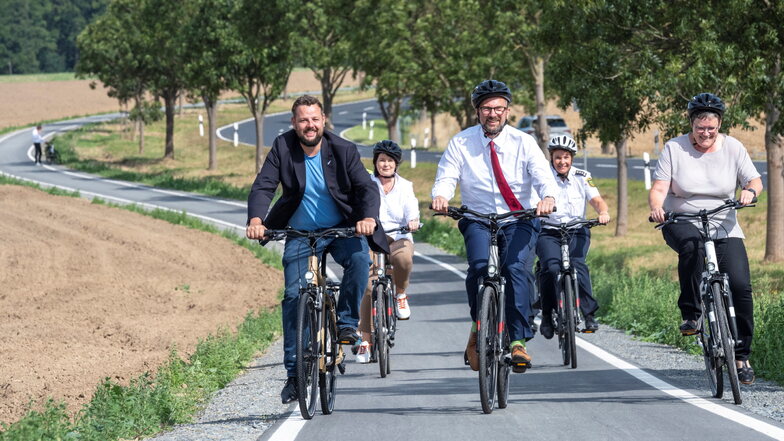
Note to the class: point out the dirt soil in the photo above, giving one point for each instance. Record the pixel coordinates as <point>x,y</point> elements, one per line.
<point>89,292</point>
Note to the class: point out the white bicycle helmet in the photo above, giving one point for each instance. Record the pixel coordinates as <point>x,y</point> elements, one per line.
<point>562,142</point>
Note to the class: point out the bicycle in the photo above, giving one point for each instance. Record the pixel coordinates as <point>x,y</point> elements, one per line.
<point>718,330</point>
<point>382,311</point>
<point>495,359</point>
<point>52,155</point>
<point>317,358</point>
<point>567,301</point>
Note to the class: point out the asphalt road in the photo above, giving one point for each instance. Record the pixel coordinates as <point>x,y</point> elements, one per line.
<point>430,394</point>
<point>346,116</point>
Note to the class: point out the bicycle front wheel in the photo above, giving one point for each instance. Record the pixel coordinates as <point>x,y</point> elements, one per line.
<point>727,342</point>
<point>709,338</point>
<point>504,368</point>
<point>488,348</point>
<point>330,348</point>
<point>307,354</point>
<point>570,310</point>
<point>380,325</point>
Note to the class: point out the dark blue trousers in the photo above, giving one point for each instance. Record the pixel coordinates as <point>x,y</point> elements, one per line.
<point>350,253</point>
<point>516,241</point>
<point>548,248</point>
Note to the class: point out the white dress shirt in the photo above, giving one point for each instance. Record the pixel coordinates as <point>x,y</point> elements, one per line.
<point>466,161</point>
<point>37,138</point>
<point>398,207</point>
<point>573,193</point>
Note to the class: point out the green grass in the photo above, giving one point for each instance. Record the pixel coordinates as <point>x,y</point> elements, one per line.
<point>362,136</point>
<point>178,389</point>
<point>26,78</point>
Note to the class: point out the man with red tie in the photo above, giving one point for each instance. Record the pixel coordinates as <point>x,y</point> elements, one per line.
<point>499,169</point>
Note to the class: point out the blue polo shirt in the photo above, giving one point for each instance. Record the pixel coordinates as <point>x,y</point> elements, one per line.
<point>317,209</point>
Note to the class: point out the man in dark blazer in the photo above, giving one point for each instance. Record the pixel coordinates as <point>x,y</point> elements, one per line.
<point>324,185</point>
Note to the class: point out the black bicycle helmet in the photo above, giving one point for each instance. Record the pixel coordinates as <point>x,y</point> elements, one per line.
<point>389,148</point>
<point>708,102</point>
<point>490,89</point>
<point>562,142</point>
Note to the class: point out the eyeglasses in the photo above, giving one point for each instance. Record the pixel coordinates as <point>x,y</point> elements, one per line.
<point>497,110</point>
<point>706,129</point>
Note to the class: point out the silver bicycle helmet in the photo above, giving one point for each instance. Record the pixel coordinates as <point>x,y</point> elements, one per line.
<point>562,142</point>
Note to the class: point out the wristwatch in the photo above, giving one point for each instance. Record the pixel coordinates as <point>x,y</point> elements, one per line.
<point>752,190</point>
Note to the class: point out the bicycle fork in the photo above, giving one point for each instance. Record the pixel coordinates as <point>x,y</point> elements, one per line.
<point>710,276</point>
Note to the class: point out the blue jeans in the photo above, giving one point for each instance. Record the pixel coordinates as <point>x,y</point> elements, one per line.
<point>548,248</point>
<point>353,255</point>
<point>516,242</point>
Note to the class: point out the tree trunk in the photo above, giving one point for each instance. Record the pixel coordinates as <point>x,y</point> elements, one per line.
<point>211,107</point>
<point>621,220</point>
<point>606,150</point>
<point>390,112</point>
<point>141,136</point>
<point>259,120</point>
<point>774,146</point>
<point>433,139</point>
<point>170,101</point>
<point>541,128</point>
<point>326,96</point>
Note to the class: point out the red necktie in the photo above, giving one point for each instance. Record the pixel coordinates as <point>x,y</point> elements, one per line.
<point>503,186</point>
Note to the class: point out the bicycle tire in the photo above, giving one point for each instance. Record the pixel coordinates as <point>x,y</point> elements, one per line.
<point>504,369</point>
<point>707,337</point>
<point>307,355</point>
<point>391,321</point>
<point>487,345</point>
<point>562,323</point>
<point>328,378</point>
<point>727,342</point>
<point>380,328</point>
<point>570,310</point>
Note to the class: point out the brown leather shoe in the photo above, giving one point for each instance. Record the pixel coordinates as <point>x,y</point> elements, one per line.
<point>521,361</point>
<point>470,356</point>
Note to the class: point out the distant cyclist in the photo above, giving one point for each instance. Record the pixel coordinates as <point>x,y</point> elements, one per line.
<point>399,208</point>
<point>696,171</point>
<point>324,185</point>
<point>499,169</point>
<point>575,189</point>
<point>38,140</point>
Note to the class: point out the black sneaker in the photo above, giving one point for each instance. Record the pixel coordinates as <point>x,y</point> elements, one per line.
<point>348,336</point>
<point>689,327</point>
<point>746,374</point>
<point>546,327</point>
<point>590,324</point>
<point>289,392</point>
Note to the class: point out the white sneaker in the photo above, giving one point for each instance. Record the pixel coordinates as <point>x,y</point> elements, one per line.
<point>363,353</point>
<point>402,309</point>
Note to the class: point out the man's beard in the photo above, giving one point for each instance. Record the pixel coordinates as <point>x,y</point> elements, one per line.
<point>310,143</point>
<point>493,132</point>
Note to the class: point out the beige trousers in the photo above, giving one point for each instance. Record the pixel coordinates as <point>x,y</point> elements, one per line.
<point>402,259</point>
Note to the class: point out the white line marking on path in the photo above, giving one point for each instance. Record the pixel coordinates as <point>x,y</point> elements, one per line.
<point>714,408</point>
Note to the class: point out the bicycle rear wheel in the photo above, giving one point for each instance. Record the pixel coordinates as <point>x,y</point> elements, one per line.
<point>727,342</point>
<point>380,328</point>
<point>307,355</point>
<point>570,310</point>
<point>328,377</point>
<point>488,348</point>
<point>709,338</point>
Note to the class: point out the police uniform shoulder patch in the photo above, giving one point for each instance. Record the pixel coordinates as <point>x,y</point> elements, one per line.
<point>585,175</point>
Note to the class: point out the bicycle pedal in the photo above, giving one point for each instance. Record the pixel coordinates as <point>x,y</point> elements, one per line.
<point>588,331</point>
<point>520,368</point>
<point>342,368</point>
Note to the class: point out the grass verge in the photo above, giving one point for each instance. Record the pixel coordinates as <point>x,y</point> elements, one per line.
<point>179,388</point>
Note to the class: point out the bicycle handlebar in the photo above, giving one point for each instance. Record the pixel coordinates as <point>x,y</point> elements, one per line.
<point>339,232</point>
<point>404,229</point>
<point>574,224</point>
<point>671,217</point>
<point>459,213</point>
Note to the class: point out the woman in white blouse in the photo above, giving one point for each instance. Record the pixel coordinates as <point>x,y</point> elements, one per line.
<point>399,208</point>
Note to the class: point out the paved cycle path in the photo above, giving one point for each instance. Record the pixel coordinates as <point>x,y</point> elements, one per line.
<point>430,394</point>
